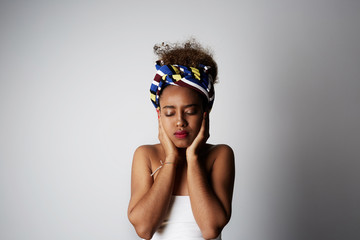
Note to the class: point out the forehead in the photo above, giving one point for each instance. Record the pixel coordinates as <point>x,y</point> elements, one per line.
<point>176,95</point>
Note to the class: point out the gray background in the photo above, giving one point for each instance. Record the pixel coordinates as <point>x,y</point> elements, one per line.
<point>74,105</point>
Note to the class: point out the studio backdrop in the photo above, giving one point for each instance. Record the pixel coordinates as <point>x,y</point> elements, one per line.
<point>74,105</point>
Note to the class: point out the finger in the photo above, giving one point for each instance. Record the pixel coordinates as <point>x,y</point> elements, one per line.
<point>164,135</point>
<point>204,131</point>
<point>207,124</point>
<point>198,139</point>
<point>159,134</point>
<point>203,124</point>
<point>161,128</point>
<point>159,124</point>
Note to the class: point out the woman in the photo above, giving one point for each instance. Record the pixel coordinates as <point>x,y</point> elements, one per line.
<point>182,187</point>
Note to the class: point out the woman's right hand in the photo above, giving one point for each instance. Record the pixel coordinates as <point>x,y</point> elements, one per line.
<point>171,152</point>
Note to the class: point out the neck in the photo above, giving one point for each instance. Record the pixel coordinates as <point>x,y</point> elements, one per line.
<point>182,154</point>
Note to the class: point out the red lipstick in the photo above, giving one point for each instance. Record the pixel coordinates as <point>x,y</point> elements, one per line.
<point>181,134</point>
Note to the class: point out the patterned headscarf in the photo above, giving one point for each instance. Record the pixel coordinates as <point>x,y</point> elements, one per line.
<point>177,75</point>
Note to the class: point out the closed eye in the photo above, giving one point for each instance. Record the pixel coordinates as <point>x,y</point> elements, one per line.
<point>192,112</point>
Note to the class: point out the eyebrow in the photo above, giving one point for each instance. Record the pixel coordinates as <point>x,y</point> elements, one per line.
<point>186,106</point>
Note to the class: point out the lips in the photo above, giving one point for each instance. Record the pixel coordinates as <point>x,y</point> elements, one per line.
<point>181,134</point>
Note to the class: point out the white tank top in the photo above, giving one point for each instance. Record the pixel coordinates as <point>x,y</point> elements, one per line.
<point>179,223</point>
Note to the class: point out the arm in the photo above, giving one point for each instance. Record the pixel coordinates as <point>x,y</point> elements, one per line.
<point>150,199</point>
<point>211,201</point>
<point>210,198</point>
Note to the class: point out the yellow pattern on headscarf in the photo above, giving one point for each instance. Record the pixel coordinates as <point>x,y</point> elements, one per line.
<point>175,69</point>
<point>196,73</point>
<point>152,96</point>
<point>177,77</point>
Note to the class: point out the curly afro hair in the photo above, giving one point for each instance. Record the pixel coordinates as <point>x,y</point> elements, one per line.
<point>190,53</point>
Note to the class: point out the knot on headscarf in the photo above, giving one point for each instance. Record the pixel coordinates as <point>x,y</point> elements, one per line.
<point>197,79</point>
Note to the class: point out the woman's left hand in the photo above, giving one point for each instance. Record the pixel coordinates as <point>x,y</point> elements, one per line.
<point>200,140</point>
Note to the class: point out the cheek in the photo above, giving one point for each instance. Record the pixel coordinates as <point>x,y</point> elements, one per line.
<point>197,124</point>
<point>166,123</point>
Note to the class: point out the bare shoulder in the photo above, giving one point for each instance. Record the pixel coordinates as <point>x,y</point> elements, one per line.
<point>222,174</point>
<point>142,154</point>
<point>147,150</point>
<point>219,155</point>
<point>147,153</point>
<point>221,148</point>
<point>220,152</point>
<point>223,169</point>
<point>141,180</point>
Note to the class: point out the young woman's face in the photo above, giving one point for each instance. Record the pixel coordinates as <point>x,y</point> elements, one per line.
<point>181,113</point>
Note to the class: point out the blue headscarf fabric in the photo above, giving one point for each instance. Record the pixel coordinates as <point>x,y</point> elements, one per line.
<point>197,79</point>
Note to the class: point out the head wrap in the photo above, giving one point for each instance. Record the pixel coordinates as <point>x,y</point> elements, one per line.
<point>197,79</point>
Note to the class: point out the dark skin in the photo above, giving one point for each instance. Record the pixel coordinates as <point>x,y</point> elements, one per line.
<point>193,168</point>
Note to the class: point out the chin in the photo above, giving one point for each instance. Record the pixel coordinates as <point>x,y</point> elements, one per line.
<point>182,144</point>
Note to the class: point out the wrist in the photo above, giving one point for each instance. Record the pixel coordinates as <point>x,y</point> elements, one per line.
<point>192,157</point>
<point>171,159</point>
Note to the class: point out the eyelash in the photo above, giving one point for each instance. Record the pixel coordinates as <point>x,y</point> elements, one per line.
<point>188,113</point>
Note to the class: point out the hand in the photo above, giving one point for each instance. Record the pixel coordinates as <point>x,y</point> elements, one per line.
<point>200,140</point>
<point>169,147</point>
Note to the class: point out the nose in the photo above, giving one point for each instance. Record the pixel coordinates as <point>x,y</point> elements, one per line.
<point>181,122</point>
